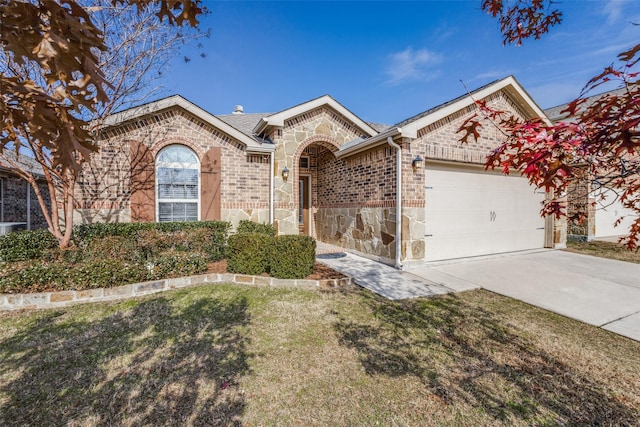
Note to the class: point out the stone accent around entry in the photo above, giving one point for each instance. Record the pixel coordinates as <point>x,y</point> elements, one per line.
<point>370,230</point>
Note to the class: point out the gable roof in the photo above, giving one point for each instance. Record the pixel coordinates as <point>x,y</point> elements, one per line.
<point>409,128</point>
<point>244,122</point>
<point>253,144</point>
<point>509,84</point>
<point>277,119</point>
<point>555,113</point>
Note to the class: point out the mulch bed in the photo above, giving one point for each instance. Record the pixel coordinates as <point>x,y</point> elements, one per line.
<point>320,271</point>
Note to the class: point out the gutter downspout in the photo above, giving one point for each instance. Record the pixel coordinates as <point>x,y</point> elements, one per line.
<point>398,264</point>
<point>271,183</point>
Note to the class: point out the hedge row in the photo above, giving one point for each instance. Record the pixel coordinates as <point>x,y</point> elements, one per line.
<point>247,226</point>
<point>283,257</point>
<point>111,254</point>
<point>249,253</point>
<point>217,231</point>
<point>208,237</point>
<point>97,273</point>
<point>24,245</point>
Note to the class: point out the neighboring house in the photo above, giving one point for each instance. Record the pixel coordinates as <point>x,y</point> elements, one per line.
<point>600,204</point>
<point>19,207</point>
<point>403,194</point>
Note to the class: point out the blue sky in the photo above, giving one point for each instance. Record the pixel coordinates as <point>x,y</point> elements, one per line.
<point>386,61</point>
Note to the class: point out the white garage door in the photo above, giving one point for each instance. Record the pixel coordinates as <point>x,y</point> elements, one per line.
<point>608,211</point>
<point>470,212</point>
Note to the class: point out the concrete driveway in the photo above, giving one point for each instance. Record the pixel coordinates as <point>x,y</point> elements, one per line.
<point>598,291</point>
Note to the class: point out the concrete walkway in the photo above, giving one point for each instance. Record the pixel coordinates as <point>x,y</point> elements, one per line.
<point>380,278</point>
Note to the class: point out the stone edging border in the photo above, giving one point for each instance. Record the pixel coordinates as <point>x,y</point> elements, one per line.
<point>10,302</point>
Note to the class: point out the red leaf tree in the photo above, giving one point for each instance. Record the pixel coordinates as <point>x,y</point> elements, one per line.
<point>54,84</point>
<point>599,143</point>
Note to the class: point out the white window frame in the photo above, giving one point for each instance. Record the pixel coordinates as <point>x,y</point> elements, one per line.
<point>196,166</point>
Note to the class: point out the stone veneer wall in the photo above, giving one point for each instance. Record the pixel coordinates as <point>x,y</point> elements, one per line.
<point>579,202</point>
<point>104,189</point>
<point>322,126</point>
<point>356,202</point>
<point>369,230</point>
<point>14,203</point>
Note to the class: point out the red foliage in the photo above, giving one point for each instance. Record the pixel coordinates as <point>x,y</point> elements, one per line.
<point>600,142</point>
<point>524,19</point>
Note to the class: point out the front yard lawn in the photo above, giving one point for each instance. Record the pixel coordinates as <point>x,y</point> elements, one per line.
<point>233,355</point>
<point>604,250</point>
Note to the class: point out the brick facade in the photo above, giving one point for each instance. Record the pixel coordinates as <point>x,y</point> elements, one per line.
<point>321,127</point>
<point>106,185</point>
<point>352,202</point>
<point>440,141</point>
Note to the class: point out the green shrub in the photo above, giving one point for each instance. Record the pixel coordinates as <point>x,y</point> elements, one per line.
<point>247,226</point>
<point>60,276</point>
<point>113,247</point>
<point>178,264</point>
<point>105,273</point>
<point>24,245</point>
<point>292,257</point>
<point>109,255</point>
<point>33,278</point>
<point>152,242</point>
<point>249,253</point>
<point>108,247</point>
<point>82,234</point>
<point>69,255</point>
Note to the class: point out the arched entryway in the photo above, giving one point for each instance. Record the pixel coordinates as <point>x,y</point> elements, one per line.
<point>315,167</point>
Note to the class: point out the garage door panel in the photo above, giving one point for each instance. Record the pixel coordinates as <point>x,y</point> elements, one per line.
<point>608,211</point>
<point>471,212</point>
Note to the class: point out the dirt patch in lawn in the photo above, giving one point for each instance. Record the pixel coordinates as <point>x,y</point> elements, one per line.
<point>609,250</point>
<point>320,271</point>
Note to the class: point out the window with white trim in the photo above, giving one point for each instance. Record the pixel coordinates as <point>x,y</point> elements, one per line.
<point>177,184</point>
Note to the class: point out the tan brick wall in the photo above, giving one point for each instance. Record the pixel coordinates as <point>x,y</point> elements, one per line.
<point>104,189</point>
<point>356,202</point>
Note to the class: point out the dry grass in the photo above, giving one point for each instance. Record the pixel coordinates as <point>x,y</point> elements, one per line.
<point>605,250</point>
<point>231,355</point>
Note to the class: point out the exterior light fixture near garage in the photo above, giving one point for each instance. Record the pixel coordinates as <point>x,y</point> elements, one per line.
<point>285,174</point>
<point>418,163</point>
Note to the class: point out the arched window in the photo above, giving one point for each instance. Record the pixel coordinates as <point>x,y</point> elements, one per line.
<point>178,184</point>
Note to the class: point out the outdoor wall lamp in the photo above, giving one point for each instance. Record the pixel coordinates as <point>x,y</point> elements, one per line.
<point>418,163</point>
<point>285,174</point>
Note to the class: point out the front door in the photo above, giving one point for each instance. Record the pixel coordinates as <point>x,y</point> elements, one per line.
<point>303,205</point>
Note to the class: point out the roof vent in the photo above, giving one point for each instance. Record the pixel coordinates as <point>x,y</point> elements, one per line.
<point>238,109</point>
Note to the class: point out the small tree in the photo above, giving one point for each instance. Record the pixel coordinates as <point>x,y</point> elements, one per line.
<point>66,64</point>
<point>601,143</point>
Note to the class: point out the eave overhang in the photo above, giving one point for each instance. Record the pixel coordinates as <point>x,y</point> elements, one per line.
<point>130,114</point>
<point>509,85</point>
<point>350,149</point>
<point>278,119</point>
